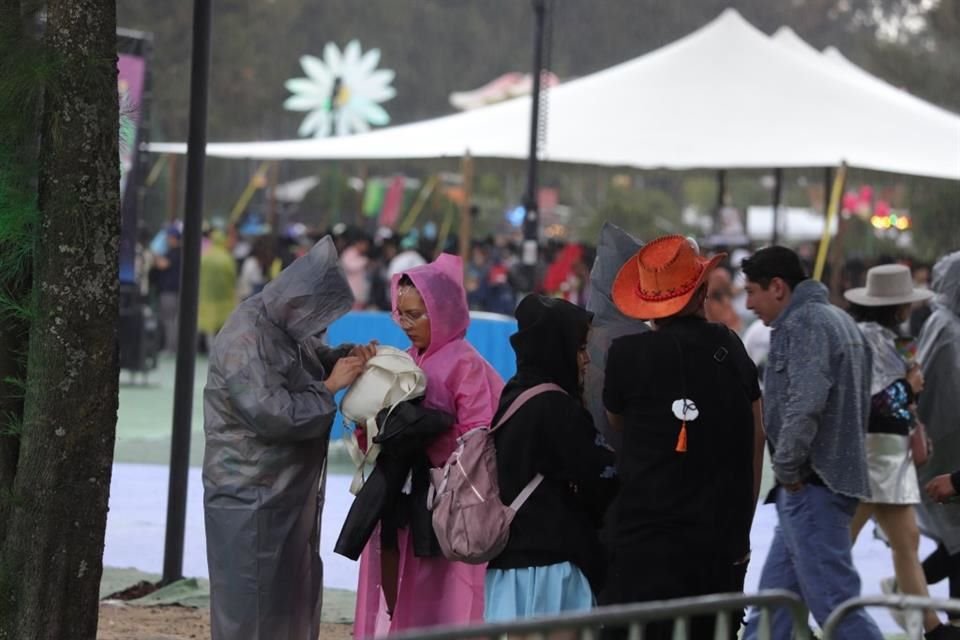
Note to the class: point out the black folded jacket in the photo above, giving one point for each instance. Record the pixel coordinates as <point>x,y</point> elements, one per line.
<point>404,434</point>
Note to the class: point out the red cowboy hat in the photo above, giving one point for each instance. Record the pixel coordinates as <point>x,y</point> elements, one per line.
<point>661,278</point>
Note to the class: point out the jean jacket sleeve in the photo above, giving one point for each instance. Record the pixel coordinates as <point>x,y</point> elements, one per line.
<point>807,363</point>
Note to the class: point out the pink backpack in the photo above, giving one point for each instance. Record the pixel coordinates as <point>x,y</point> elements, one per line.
<point>471,522</point>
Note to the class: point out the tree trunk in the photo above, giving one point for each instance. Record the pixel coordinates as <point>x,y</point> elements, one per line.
<point>18,133</point>
<point>52,554</point>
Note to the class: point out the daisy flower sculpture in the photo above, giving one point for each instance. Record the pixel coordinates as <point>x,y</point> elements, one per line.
<point>342,92</point>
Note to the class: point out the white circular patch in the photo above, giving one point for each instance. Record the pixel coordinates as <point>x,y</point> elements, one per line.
<point>685,409</point>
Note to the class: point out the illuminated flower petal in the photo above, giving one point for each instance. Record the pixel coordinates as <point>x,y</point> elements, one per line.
<point>360,88</point>
<point>315,69</point>
<point>351,56</point>
<point>331,56</point>
<point>317,124</point>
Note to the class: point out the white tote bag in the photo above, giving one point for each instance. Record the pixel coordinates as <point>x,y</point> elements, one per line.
<point>388,378</point>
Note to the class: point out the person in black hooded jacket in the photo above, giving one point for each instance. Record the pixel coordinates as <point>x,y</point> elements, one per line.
<point>553,561</point>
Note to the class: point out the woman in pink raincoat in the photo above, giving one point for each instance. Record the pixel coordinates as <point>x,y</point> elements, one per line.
<point>430,305</point>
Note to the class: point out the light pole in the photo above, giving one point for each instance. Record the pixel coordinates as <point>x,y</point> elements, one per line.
<point>531,221</point>
<point>189,294</point>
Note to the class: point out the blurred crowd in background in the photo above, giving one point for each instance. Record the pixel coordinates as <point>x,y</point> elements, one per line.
<point>235,266</point>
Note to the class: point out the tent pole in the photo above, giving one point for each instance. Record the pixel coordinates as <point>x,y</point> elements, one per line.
<point>827,182</point>
<point>721,199</point>
<point>833,209</point>
<point>189,294</point>
<point>777,193</point>
<point>466,231</point>
<point>836,255</point>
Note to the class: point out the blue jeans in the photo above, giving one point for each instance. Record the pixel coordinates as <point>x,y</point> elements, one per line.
<point>810,556</point>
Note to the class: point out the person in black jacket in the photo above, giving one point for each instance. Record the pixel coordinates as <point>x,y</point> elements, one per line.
<point>553,561</point>
<point>684,396</point>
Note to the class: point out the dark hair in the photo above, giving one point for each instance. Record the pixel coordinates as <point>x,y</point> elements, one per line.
<point>405,281</point>
<point>885,316</point>
<point>774,262</point>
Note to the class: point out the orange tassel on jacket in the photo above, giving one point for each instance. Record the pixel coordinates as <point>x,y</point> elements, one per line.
<point>682,439</point>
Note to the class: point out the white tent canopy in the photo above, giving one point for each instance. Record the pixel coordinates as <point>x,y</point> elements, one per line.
<point>725,96</point>
<point>839,64</point>
<point>794,224</point>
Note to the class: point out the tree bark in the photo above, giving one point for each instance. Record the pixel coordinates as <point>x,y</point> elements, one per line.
<point>17,159</point>
<point>51,559</point>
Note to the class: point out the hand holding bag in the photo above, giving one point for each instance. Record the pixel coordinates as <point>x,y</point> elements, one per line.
<point>388,378</point>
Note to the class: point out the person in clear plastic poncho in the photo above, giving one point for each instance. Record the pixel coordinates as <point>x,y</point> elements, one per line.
<point>939,409</point>
<point>268,408</point>
<point>615,247</point>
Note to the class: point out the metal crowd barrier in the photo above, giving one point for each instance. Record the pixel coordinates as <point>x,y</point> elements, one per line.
<point>913,606</point>
<point>635,617</point>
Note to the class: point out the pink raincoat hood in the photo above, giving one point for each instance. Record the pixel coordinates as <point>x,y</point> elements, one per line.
<point>440,284</point>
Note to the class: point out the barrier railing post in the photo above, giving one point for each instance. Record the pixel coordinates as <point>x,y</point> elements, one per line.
<point>763,631</point>
<point>681,628</point>
<point>634,619</point>
<point>721,626</point>
<point>913,605</point>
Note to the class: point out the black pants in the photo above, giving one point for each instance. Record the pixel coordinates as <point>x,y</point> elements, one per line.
<point>642,576</point>
<point>939,565</point>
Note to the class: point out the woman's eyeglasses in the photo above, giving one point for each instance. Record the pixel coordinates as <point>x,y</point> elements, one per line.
<point>408,318</point>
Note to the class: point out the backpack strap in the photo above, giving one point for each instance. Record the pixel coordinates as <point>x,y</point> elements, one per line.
<point>522,400</point>
<point>526,493</point>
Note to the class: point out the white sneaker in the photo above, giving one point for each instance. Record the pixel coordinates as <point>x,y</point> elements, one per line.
<point>889,588</point>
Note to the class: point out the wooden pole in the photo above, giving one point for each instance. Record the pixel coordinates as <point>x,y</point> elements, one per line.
<point>445,226</point>
<point>359,215</point>
<point>833,211</point>
<point>425,192</point>
<point>256,181</point>
<point>156,170</point>
<point>272,213</point>
<point>466,221</point>
<point>173,188</point>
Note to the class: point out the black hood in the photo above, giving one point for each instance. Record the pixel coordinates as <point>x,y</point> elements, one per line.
<point>549,333</point>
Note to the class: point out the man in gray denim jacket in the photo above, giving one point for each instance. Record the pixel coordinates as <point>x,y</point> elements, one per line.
<point>816,404</point>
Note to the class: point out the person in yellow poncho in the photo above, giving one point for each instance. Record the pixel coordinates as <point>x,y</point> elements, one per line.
<point>218,286</point>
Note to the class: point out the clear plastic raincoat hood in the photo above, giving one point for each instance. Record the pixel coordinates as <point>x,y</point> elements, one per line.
<point>616,246</point>
<point>267,419</point>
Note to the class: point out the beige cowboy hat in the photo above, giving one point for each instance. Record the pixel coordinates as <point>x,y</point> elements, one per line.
<point>887,285</point>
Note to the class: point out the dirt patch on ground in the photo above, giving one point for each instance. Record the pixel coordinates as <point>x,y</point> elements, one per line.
<point>123,622</point>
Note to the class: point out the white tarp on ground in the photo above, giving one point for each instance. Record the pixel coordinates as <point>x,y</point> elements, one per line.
<point>725,96</point>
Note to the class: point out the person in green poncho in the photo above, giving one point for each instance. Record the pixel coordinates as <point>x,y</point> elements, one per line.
<point>218,286</point>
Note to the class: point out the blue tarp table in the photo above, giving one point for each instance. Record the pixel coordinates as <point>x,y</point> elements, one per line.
<point>489,333</point>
